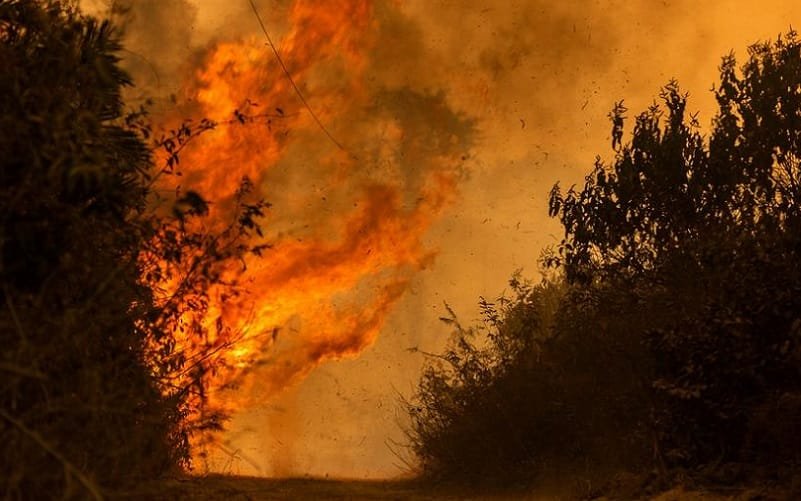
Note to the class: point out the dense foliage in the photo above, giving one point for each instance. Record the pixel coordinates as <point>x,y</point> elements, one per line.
<point>679,328</point>
<point>96,392</point>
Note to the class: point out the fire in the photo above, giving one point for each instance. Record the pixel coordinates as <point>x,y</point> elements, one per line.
<point>347,228</point>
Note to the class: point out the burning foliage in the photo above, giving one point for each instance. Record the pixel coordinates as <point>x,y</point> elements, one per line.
<point>144,299</point>
<point>349,207</point>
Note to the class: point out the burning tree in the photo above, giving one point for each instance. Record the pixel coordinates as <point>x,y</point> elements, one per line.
<point>133,304</point>
<point>346,233</point>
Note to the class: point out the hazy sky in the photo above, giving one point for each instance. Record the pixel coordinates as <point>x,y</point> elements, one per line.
<point>520,89</point>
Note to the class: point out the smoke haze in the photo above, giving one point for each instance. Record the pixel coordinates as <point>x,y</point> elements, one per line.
<point>457,118</point>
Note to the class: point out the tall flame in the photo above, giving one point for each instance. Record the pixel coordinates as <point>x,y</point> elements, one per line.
<point>347,229</point>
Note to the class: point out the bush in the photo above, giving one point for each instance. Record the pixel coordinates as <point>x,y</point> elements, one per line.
<point>706,232</point>
<point>677,340</point>
<point>533,390</point>
<point>78,407</point>
<point>101,383</point>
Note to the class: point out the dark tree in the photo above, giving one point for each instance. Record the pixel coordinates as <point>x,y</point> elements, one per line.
<point>703,233</point>
<point>672,342</point>
<point>78,407</point>
<point>95,392</point>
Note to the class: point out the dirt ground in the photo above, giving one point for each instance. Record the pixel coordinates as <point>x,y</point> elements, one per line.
<point>248,488</point>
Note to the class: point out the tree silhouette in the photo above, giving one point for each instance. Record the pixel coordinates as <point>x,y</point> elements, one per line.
<point>704,233</point>
<point>675,341</point>
<point>95,392</point>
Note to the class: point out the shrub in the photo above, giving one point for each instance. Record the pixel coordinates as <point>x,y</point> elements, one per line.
<point>96,391</point>
<point>534,389</point>
<point>676,341</point>
<point>705,233</point>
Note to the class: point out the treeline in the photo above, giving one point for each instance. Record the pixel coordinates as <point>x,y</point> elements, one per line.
<point>667,340</point>
<point>102,370</point>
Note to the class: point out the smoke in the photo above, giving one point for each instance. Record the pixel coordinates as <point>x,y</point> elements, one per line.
<point>457,118</point>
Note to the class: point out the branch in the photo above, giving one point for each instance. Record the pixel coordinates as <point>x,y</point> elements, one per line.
<point>22,371</point>
<point>90,486</point>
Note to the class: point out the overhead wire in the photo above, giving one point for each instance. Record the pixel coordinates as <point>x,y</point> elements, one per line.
<point>292,80</point>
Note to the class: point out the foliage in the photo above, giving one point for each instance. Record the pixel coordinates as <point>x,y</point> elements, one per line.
<point>461,423</point>
<point>534,389</point>
<point>96,392</point>
<point>680,321</point>
<point>706,231</point>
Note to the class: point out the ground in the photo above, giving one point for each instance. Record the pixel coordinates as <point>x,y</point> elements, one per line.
<point>249,488</point>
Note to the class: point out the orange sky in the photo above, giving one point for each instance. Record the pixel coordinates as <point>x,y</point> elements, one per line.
<point>520,89</point>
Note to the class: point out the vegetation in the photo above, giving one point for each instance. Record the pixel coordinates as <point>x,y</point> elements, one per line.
<point>671,339</point>
<point>96,391</point>
<point>667,338</point>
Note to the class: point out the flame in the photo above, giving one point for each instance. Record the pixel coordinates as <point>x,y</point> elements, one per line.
<point>347,231</point>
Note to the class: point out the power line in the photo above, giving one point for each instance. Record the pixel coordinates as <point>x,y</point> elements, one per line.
<point>291,80</point>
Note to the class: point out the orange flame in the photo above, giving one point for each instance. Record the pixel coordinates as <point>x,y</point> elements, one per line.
<point>346,233</point>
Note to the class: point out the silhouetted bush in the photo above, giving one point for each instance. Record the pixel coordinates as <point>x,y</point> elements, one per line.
<point>536,389</point>
<point>677,340</point>
<point>95,391</point>
<point>705,231</point>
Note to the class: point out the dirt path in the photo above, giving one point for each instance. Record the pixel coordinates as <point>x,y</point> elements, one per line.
<point>257,489</point>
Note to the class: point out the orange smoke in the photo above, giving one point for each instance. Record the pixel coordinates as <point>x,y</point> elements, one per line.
<point>346,233</point>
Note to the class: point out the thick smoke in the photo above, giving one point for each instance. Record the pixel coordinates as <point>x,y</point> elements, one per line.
<point>520,89</point>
